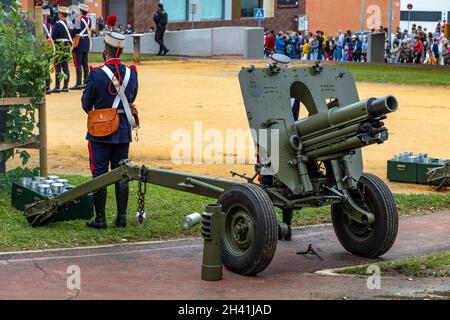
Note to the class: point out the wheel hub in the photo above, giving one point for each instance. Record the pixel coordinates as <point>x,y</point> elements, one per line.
<point>240,231</point>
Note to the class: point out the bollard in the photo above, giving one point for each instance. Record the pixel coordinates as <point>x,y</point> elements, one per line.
<point>212,232</point>
<point>137,48</point>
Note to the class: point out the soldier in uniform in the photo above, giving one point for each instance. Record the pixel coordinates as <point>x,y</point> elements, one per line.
<point>63,42</point>
<point>51,46</point>
<point>82,29</point>
<point>54,14</point>
<point>100,93</point>
<point>160,18</point>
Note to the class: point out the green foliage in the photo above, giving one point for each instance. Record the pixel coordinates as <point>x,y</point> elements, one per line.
<point>6,179</point>
<point>23,70</point>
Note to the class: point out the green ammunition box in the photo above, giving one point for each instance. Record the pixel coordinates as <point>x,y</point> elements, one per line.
<point>422,169</point>
<point>400,171</point>
<point>82,208</point>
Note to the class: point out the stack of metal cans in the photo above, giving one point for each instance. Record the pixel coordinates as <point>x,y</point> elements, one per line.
<point>52,185</point>
<point>419,158</point>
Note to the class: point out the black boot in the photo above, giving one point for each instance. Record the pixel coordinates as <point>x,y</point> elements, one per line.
<point>100,209</point>
<point>66,83</point>
<point>47,86</point>
<point>287,218</point>
<point>122,191</point>
<point>78,85</point>
<point>57,88</point>
<point>85,75</point>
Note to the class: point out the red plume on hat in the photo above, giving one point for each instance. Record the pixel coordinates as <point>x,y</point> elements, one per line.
<point>111,21</point>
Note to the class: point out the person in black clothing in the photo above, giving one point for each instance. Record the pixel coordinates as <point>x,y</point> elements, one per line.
<point>320,40</point>
<point>160,18</point>
<point>101,26</point>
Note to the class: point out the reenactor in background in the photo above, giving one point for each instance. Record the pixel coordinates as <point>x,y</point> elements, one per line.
<point>82,45</point>
<point>63,42</point>
<point>104,151</point>
<point>54,13</point>
<point>160,18</point>
<point>50,49</point>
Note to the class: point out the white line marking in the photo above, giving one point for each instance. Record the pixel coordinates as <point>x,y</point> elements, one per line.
<point>104,246</point>
<point>101,254</point>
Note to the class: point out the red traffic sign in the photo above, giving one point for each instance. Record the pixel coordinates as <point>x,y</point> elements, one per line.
<point>410,6</point>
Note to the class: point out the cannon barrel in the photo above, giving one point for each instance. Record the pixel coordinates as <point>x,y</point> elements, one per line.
<point>343,129</point>
<point>383,106</point>
<point>338,117</point>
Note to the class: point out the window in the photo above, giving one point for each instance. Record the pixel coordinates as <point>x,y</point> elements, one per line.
<point>177,10</point>
<point>287,3</point>
<point>248,7</point>
<point>432,16</point>
<point>211,9</point>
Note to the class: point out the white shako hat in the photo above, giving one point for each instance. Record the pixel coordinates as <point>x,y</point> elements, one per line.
<point>45,12</point>
<point>115,39</point>
<point>63,10</point>
<point>84,7</point>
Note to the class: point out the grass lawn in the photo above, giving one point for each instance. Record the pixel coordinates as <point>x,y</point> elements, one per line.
<point>388,73</point>
<point>165,209</point>
<point>399,74</point>
<point>433,265</point>
<point>128,57</point>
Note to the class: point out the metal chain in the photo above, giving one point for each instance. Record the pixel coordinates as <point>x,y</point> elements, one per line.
<point>142,190</point>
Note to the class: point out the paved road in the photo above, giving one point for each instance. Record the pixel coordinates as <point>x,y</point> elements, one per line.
<point>171,270</point>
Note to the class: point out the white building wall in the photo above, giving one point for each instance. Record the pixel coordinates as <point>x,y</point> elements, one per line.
<point>244,41</point>
<point>425,5</point>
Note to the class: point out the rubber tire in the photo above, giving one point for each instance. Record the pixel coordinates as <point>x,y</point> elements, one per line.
<point>385,227</point>
<point>265,238</point>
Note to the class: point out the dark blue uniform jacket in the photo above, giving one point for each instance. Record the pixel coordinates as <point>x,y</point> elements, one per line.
<point>59,32</point>
<point>84,41</point>
<point>97,95</point>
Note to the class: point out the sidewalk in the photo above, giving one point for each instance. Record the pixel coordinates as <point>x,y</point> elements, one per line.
<point>171,270</point>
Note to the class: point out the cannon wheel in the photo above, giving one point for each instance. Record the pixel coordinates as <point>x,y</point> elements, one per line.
<point>374,240</point>
<point>251,229</point>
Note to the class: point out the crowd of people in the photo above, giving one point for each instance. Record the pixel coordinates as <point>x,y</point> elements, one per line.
<point>102,27</point>
<point>309,46</point>
<point>415,46</point>
<point>419,46</point>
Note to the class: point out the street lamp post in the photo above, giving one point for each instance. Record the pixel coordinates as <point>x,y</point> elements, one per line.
<point>363,13</point>
<point>391,14</point>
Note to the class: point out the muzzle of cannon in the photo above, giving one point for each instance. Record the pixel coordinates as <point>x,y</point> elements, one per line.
<point>346,128</point>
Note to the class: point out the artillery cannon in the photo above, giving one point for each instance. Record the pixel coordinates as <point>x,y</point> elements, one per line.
<point>316,162</point>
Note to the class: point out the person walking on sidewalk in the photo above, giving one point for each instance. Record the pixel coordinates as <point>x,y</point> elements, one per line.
<point>160,18</point>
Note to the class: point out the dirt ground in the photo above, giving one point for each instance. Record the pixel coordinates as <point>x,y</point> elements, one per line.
<point>174,94</point>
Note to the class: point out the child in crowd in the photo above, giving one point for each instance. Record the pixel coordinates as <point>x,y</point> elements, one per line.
<point>430,58</point>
